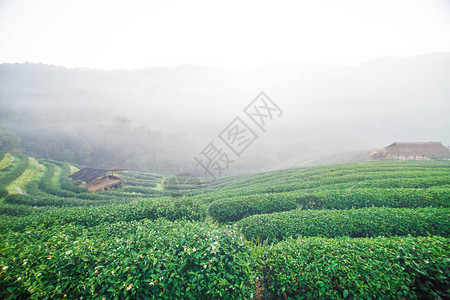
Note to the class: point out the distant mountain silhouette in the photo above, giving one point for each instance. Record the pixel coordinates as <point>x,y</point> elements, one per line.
<point>328,108</point>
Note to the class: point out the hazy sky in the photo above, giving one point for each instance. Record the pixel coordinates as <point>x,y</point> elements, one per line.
<point>237,34</point>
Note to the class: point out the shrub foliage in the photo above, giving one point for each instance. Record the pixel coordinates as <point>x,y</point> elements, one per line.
<point>132,260</point>
<point>366,268</point>
<point>364,222</point>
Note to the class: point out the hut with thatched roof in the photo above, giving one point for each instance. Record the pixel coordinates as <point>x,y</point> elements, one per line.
<point>425,150</point>
<point>98,179</point>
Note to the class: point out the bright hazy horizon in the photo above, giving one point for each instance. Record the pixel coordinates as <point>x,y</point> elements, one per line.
<point>235,34</point>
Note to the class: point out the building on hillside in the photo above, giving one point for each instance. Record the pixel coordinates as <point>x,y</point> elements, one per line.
<point>98,179</point>
<point>423,150</point>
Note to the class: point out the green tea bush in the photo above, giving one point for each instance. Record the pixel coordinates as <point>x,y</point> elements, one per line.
<point>66,183</point>
<point>3,192</point>
<point>282,181</point>
<point>103,195</point>
<point>10,173</point>
<point>142,183</point>
<point>365,268</point>
<point>366,197</point>
<point>424,181</point>
<point>364,222</point>
<point>16,210</point>
<point>141,190</point>
<point>7,222</point>
<point>51,200</point>
<point>120,194</point>
<point>46,183</point>
<point>134,260</point>
<point>234,209</point>
<point>142,176</point>
<point>170,209</point>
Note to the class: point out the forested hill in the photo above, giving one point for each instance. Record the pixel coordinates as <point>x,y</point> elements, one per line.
<point>157,119</point>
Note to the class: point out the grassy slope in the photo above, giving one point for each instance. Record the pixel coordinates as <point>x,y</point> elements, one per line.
<point>73,169</point>
<point>56,176</point>
<point>33,172</point>
<point>6,161</point>
<point>260,183</point>
<point>160,185</point>
<point>250,183</point>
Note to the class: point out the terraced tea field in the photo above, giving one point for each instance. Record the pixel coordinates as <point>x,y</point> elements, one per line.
<point>352,231</point>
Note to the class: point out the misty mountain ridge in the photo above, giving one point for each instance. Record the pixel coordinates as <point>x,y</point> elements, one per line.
<point>328,109</point>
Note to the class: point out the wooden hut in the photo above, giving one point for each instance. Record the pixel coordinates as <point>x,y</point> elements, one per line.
<point>429,150</point>
<point>98,179</point>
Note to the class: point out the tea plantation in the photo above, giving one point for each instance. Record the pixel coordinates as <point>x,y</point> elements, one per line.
<point>371,230</point>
